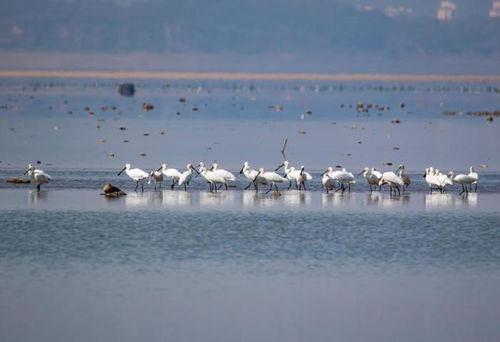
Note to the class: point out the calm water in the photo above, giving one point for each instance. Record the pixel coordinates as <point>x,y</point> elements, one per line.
<point>240,266</point>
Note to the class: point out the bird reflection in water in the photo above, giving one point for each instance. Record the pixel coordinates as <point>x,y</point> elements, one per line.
<point>37,197</point>
<point>177,198</point>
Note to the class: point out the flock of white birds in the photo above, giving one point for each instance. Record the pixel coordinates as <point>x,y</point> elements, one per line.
<point>337,179</point>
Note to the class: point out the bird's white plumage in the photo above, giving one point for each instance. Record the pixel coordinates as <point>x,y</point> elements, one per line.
<point>228,176</point>
<point>38,176</point>
<point>186,176</point>
<point>171,173</point>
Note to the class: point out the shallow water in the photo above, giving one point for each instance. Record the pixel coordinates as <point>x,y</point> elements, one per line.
<point>239,265</point>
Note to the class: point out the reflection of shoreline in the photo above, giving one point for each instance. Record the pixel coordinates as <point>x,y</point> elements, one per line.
<point>246,76</point>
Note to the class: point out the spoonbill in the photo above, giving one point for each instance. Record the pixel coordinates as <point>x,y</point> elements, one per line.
<point>171,173</point>
<point>328,183</point>
<point>372,177</point>
<point>402,174</point>
<point>442,179</point>
<point>461,179</point>
<point>431,179</point>
<point>156,177</point>
<point>38,176</point>
<point>137,175</point>
<point>228,176</point>
<point>394,181</point>
<point>212,178</point>
<point>473,174</point>
<point>270,178</point>
<point>294,175</point>
<point>345,178</point>
<point>249,173</point>
<point>185,177</point>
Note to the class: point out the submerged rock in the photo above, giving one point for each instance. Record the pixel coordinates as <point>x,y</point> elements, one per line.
<point>15,180</point>
<point>112,191</point>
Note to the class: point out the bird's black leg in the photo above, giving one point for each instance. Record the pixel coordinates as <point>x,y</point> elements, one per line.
<point>289,184</point>
<point>270,188</point>
<point>250,184</point>
<point>276,187</point>
<point>38,187</point>
<point>136,186</point>
<point>304,186</point>
<point>185,187</point>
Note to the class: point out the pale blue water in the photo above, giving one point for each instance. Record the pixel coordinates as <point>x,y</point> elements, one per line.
<point>240,266</point>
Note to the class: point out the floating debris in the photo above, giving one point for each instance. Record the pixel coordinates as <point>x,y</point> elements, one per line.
<point>125,141</point>
<point>102,141</point>
<point>15,180</point>
<point>483,166</point>
<point>278,108</point>
<point>395,148</point>
<point>123,128</point>
<point>162,132</point>
<point>38,162</point>
<point>194,109</point>
<point>182,100</point>
<point>309,112</point>
<point>387,163</point>
<point>142,154</point>
<point>55,127</point>
<point>147,107</point>
<point>450,112</point>
<point>485,113</point>
<point>489,119</point>
<point>360,142</point>
<point>146,134</point>
<point>396,121</point>
<point>126,89</point>
<point>302,131</point>
<point>111,155</point>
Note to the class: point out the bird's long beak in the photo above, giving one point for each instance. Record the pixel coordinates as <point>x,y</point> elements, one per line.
<point>119,173</point>
<point>323,173</point>
<point>279,167</point>
<point>241,171</point>
<point>359,174</point>
<point>25,172</point>
<point>158,169</point>
<point>425,174</point>
<point>198,172</point>
<point>211,168</point>
<point>301,171</point>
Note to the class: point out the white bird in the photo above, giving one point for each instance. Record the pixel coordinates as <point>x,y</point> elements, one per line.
<point>302,177</point>
<point>268,178</point>
<point>473,174</point>
<point>461,179</point>
<point>431,179</point>
<point>249,173</point>
<point>228,176</point>
<point>212,178</point>
<point>137,175</point>
<point>394,181</point>
<point>171,173</point>
<point>402,174</point>
<point>328,183</point>
<point>372,176</point>
<point>294,175</point>
<point>186,176</point>
<point>345,179</point>
<point>156,177</point>
<point>38,176</point>
<point>442,179</point>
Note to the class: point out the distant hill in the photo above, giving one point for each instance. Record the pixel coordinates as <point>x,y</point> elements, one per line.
<point>238,27</point>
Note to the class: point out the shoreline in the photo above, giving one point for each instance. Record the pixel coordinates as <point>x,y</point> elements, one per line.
<point>231,76</point>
